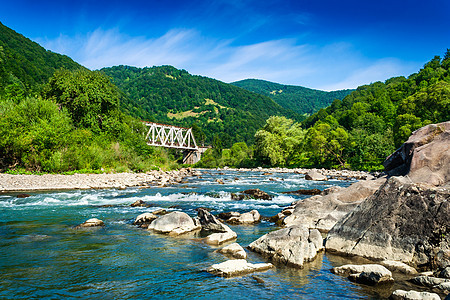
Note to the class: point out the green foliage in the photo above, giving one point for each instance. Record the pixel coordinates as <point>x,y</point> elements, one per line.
<point>171,96</point>
<point>240,155</point>
<point>276,141</point>
<point>296,98</point>
<point>378,118</point>
<point>90,97</point>
<point>40,135</point>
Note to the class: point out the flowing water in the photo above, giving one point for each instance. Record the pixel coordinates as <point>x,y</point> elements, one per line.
<point>42,255</point>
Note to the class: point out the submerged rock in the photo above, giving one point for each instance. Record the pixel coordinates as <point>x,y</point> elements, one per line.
<point>174,223</point>
<point>140,203</point>
<point>413,295</point>
<point>311,192</point>
<point>234,250</point>
<point>23,195</point>
<point>94,222</point>
<point>292,246</point>
<point>237,267</point>
<point>258,194</point>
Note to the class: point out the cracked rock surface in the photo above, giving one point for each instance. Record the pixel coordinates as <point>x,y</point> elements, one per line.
<point>402,221</point>
<point>291,246</point>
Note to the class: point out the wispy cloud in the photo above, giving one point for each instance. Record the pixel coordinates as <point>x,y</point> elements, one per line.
<point>334,66</point>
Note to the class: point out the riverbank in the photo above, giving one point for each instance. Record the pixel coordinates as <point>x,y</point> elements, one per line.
<point>23,183</point>
<point>46,182</point>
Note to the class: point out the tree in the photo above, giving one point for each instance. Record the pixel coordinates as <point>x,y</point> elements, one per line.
<point>276,141</point>
<point>90,97</point>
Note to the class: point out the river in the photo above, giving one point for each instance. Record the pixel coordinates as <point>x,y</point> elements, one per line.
<point>43,256</point>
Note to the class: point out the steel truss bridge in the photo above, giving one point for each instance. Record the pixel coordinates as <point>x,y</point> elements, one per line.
<point>170,136</point>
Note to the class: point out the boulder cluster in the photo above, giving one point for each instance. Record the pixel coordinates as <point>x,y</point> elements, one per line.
<point>399,220</point>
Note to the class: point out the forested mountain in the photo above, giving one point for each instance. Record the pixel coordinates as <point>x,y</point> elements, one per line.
<point>24,64</point>
<point>223,112</point>
<point>300,99</point>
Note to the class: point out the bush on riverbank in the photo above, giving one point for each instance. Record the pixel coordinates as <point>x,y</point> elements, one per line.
<point>75,125</point>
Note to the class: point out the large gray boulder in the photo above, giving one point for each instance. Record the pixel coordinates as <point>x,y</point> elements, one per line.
<point>402,221</point>
<point>174,223</point>
<point>322,212</point>
<point>424,157</point>
<point>292,246</point>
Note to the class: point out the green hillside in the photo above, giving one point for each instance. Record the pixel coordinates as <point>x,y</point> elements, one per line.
<point>24,64</point>
<point>223,112</point>
<point>297,98</point>
<point>57,116</point>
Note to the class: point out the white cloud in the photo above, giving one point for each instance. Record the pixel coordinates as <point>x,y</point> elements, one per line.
<point>334,66</point>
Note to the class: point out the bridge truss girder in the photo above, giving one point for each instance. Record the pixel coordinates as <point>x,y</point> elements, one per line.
<point>168,136</point>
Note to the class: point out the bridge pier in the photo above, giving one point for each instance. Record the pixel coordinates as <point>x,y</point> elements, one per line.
<point>191,157</point>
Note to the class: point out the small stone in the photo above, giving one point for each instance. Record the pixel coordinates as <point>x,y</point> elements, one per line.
<point>94,222</point>
<point>413,295</point>
<point>23,195</point>
<point>237,267</point>
<point>234,250</point>
<point>143,220</point>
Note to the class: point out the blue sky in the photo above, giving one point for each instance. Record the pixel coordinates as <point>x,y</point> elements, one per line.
<point>319,44</point>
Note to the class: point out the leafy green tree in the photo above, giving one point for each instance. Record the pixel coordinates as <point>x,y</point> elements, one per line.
<point>275,142</point>
<point>89,97</point>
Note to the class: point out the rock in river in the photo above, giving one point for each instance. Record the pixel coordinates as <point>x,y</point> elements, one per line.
<point>94,222</point>
<point>315,175</point>
<point>174,223</point>
<point>322,212</point>
<point>402,221</point>
<point>258,194</point>
<point>221,237</point>
<point>209,221</point>
<point>143,220</point>
<point>424,157</point>
<point>367,274</point>
<point>237,267</point>
<point>292,246</point>
<point>250,217</point>
<point>413,295</point>
<point>234,250</point>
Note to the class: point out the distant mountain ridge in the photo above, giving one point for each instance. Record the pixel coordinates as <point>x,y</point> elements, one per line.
<point>299,99</point>
<point>24,62</point>
<point>168,95</point>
